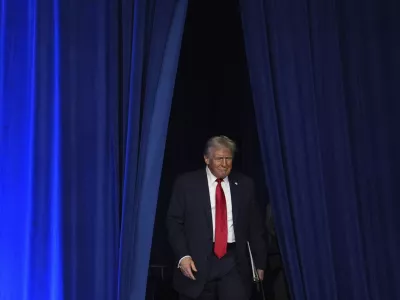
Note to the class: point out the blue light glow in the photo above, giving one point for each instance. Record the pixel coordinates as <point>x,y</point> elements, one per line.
<point>30,168</point>
<point>56,247</point>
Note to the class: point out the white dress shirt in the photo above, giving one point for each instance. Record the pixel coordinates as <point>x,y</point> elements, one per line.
<point>212,187</point>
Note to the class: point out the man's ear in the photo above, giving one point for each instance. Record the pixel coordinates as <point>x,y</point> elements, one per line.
<point>206,160</point>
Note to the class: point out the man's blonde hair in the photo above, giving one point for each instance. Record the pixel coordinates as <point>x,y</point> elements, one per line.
<point>220,141</point>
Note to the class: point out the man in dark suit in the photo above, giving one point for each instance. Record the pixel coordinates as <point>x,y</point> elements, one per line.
<point>212,215</point>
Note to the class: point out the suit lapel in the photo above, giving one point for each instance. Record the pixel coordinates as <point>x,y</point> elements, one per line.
<point>204,196</point>
<point>235,190</point>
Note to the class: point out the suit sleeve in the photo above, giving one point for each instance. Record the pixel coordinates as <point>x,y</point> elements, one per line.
<point>256,235</point>
<point>175,221</point>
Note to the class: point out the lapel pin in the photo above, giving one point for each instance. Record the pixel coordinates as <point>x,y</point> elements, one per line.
<point>236,183</point>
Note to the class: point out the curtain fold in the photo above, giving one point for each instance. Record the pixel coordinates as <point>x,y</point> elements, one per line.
<point>325,79</point>
<point>152,76</point>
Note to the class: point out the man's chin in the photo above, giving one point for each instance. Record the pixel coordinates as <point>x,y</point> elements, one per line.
<point>223,174</point>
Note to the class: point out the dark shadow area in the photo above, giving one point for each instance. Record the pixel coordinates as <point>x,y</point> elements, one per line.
<point>212,96</point>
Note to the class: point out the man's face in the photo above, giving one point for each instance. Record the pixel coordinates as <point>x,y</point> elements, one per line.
<point>219,161</point>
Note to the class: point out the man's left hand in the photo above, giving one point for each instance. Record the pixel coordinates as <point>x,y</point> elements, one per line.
<point>260,274</point>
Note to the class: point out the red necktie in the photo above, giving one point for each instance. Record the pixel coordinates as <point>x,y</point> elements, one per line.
<point>221,226</point>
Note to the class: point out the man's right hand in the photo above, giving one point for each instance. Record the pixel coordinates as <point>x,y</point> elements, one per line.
<point>187,267</point>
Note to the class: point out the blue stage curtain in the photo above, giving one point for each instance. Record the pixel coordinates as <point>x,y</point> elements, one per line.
<point>325,77</point>
<point>149,77</point>
<point>85,91</point>
<point>59,211</point>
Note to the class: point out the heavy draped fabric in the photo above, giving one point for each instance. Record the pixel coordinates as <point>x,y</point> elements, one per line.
<point>85,91</point>
<point>151,68</point>
<point>325,78</point>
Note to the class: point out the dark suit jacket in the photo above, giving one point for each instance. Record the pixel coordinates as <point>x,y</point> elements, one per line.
<point>190,228</point>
